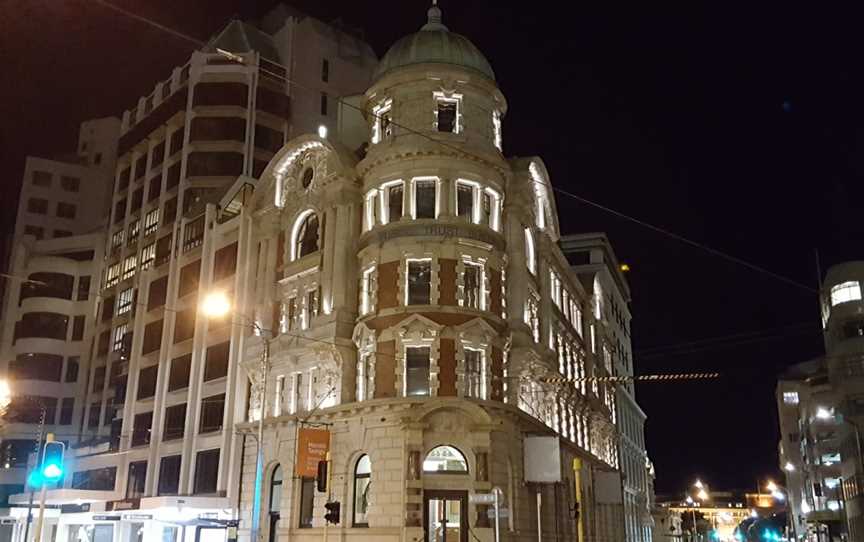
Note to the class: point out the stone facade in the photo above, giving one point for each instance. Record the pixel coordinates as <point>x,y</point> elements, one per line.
<point>417,305</point>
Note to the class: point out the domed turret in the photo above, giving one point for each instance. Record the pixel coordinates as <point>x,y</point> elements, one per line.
<point>434,43</point>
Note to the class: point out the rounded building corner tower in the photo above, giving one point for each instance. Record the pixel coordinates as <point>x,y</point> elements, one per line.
<point>422,315</point>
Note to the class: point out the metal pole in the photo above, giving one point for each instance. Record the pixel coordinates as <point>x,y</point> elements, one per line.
<point>40,519</point>
<point>42,416</point>
<point>539,529</point>
<point>693,513</point>
<point>255,531</point>
<point>495,491</point>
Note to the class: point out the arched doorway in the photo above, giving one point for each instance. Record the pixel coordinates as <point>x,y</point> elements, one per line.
<point>445,511</point>
<point>275,502</point>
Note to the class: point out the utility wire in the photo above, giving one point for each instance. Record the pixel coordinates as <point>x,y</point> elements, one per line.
<point>680,238</point>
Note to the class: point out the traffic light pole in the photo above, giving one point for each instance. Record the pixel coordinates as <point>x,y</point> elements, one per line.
<point>40,519</point>
<point>38,452</point>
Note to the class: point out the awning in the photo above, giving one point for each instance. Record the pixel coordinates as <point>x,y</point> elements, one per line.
<point>57,497</point>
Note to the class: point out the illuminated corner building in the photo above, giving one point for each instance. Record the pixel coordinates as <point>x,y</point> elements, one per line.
<point>425,315</point>
<point>593,260</point>
<point>163,388</point>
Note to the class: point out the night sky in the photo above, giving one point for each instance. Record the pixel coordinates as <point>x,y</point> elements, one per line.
<point>735,124</point>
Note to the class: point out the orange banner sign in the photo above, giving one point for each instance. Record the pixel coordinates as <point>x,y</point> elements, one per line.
<point>312,448</point>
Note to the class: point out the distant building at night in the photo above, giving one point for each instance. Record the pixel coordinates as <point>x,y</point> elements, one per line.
<point>721,513</point>
<point>591,257</point>
<point>821,409</point>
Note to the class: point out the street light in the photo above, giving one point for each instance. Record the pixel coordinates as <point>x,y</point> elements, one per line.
<point>789,467</point>
<point>701,495</point>
<point>35,476</point>
<point>217,305</point>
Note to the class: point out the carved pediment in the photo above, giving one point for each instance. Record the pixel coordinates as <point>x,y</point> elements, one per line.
<point>417,328</point>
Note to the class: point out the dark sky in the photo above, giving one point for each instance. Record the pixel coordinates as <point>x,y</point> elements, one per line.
<point>735,124</point>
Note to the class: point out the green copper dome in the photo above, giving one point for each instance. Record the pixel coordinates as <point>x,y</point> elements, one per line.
<point>434,43</point>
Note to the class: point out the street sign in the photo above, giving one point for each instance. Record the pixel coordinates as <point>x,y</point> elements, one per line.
<point>481,498</point>
<point>502,513</point>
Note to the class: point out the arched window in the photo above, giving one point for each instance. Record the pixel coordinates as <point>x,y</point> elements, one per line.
<point>445,459</point>
<point>276,490</point>
<point>530,254</point>
<point>304,236</point>
<point>362,487</point>
<point>275,502</point>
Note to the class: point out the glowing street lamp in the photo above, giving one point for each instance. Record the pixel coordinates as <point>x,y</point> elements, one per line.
<point>789,467</point>
<point>823,413</point>
<point>217,305</point>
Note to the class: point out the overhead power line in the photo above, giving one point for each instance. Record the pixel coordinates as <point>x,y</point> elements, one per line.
<point>718,253</point>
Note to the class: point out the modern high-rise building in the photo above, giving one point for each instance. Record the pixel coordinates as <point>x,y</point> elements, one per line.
<point>47,298</point>
<point>158,389</point>
<point>592,258</point>
<point>810,451</point>
<point>821,410</point>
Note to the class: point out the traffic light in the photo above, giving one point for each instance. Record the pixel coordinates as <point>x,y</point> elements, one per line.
<point>321,478</point>
<point>52,461</point>
<point>332,515</point>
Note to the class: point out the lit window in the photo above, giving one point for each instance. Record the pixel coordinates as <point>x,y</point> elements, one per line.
<point>362,485</point>
<point>472,286</point>
<point>391,201</point>
<point>367,291</point>
<point>532,315</point>
<point>417,370</point>
<point>418,286</point>
<point>425,198</point>
<point>112,275</point>
<point>383,127</point>
<point>134,229</point>
<point>312,307</point>
<point>124,301</point>
<point>297,394</point>
<point>364,377</point>
<point>119,332</point>
<point>845,291</point>
<point>129,266</point>
<point>148,255</point>
<point>280,391</point>
<point>790,397</point>
<point>118,238</point>
<point>465,195</point>
<point>496,129</point>
<point>151,221</point>
<point>475,373</point>
<point>530,255</point>
<point>445,459</point>
<point>369,209</point>
<point>291,315</point>
<point>448,112</point>
<point>304,237</point>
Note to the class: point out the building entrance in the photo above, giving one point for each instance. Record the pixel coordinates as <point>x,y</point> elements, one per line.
<point>446,516</point>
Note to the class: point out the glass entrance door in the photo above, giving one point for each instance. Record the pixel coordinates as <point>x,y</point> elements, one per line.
<point>446,516</point>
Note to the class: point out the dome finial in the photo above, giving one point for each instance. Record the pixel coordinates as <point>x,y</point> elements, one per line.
<point>434,18</point>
